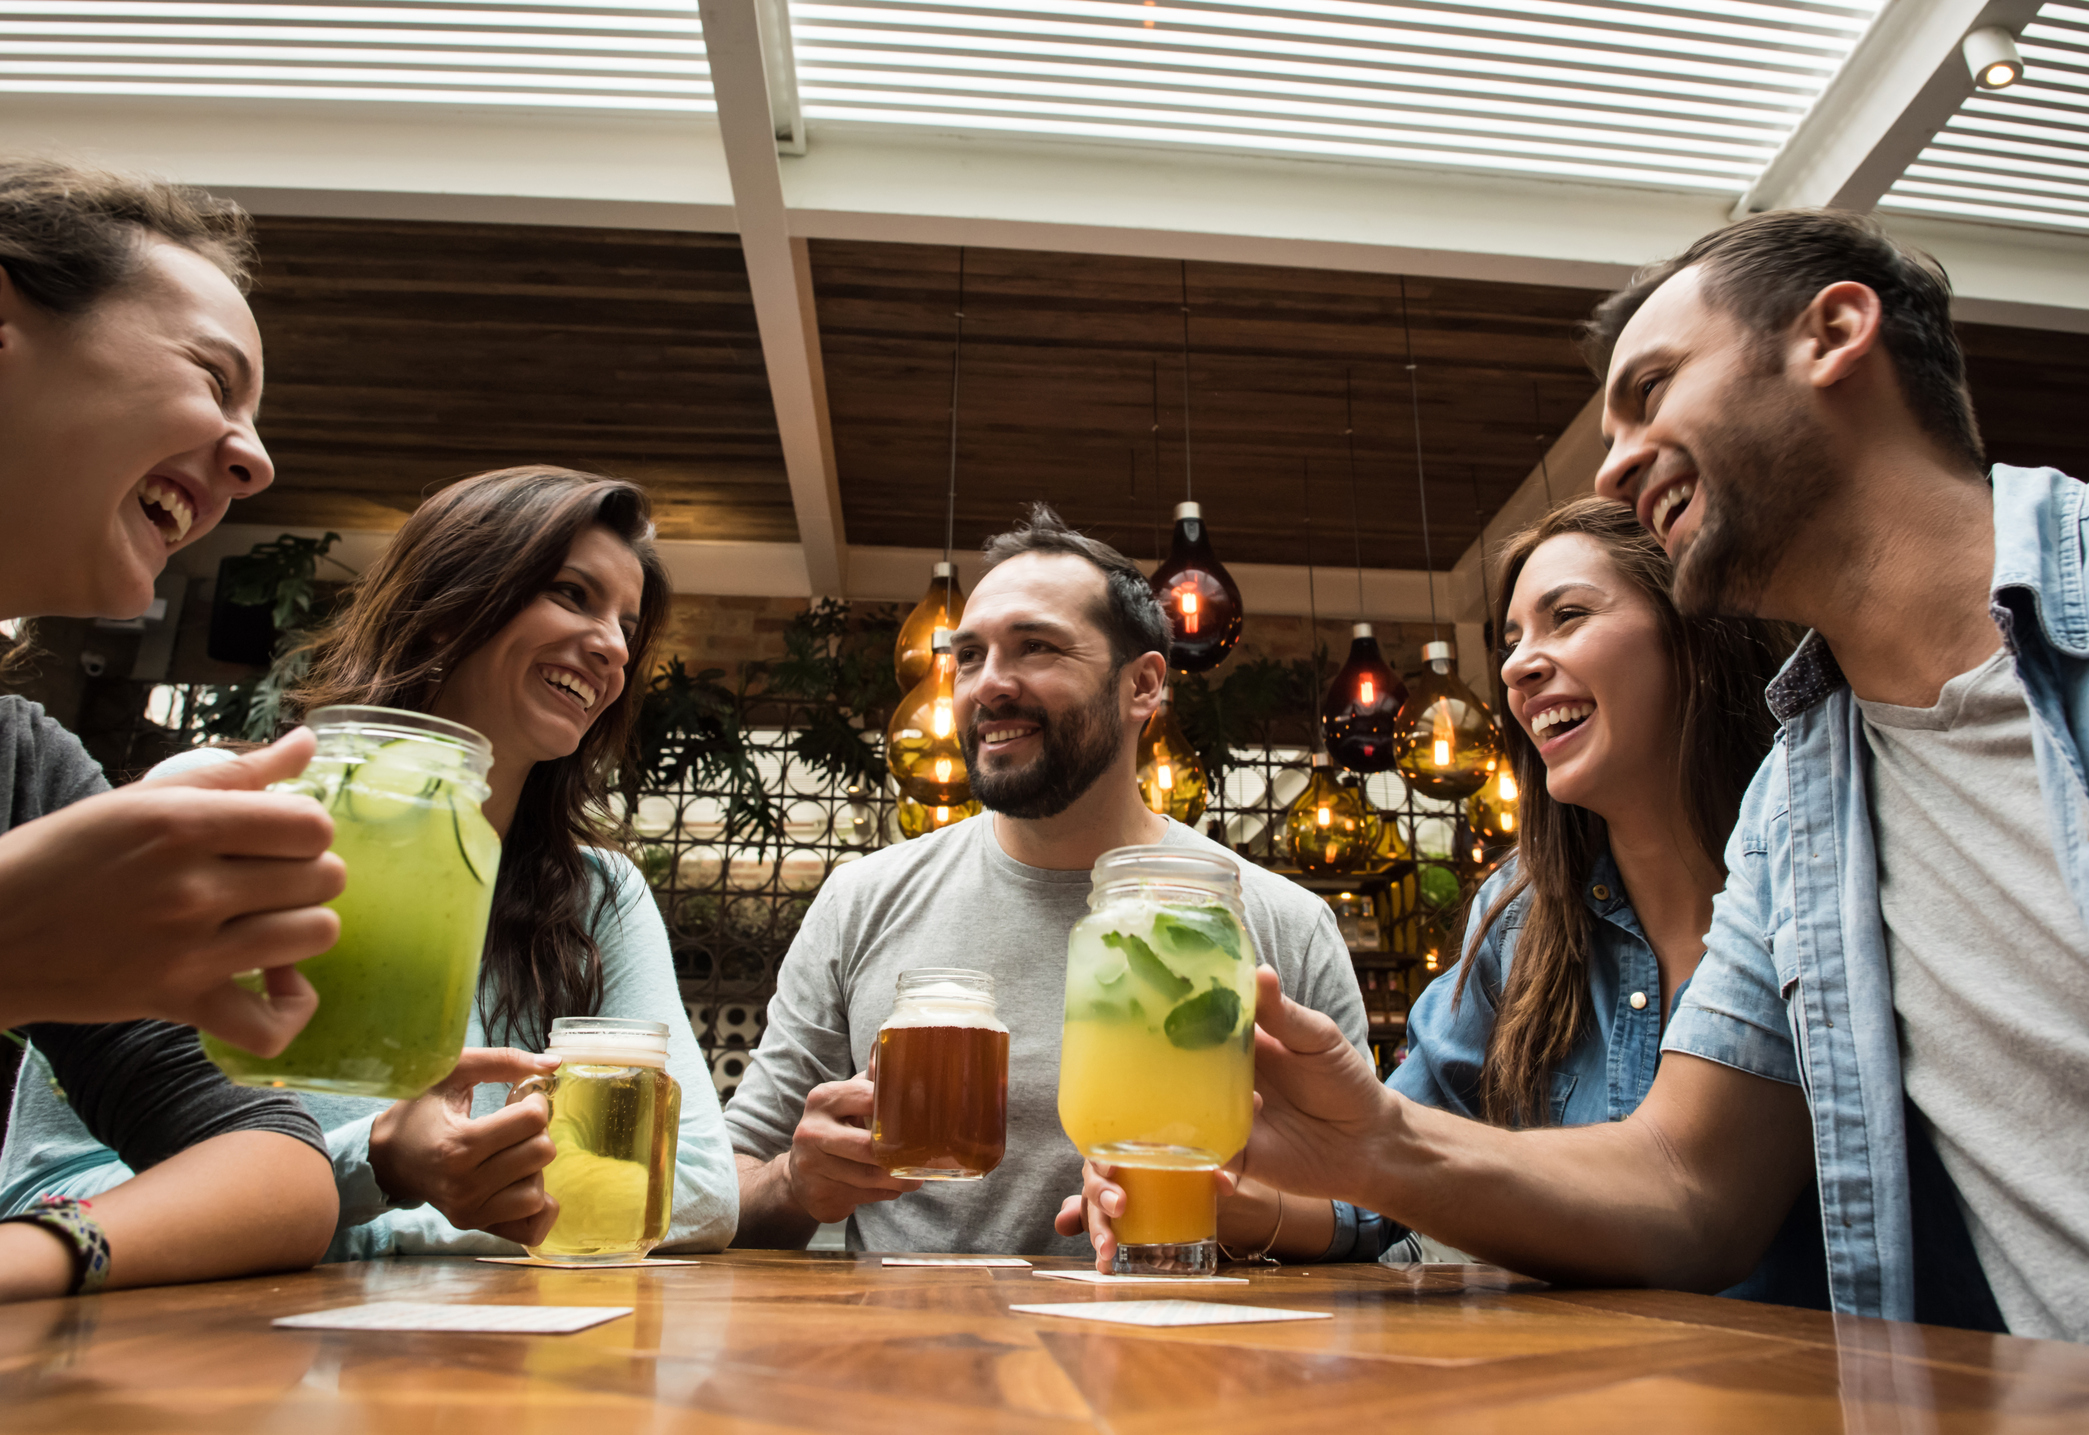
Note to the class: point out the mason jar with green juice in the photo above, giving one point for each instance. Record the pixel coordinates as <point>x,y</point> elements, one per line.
<point>396,991</point>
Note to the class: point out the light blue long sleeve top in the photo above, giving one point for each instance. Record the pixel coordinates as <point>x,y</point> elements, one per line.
<point>48,1150</point>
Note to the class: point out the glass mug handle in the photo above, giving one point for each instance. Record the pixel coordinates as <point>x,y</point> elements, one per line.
<point>544,1084</point>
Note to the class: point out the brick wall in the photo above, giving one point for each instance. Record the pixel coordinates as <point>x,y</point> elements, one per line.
<point>715,632</point>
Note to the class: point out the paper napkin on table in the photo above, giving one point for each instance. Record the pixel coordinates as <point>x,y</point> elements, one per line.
<point>1170,1312</point>
<point>994,1261</point>
<point>1099,1278</point>
<point>582,1266</point>
<point>417,1315</point>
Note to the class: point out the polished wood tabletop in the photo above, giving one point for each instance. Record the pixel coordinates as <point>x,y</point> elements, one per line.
<point>762,1341</point>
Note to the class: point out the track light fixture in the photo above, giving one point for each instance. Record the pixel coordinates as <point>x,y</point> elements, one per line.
<point>1991,55</point>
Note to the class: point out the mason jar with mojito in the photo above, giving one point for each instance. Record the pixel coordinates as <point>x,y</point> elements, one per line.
<point>1157,1055</point>
<point>616,1118</point>
<point>396,991</point>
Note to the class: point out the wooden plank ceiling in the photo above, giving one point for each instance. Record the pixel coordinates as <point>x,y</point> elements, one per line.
<point>402,355</point>
<point>1071,361</point>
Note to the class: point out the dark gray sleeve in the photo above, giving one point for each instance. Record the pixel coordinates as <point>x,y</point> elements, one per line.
<point>146,1091</point>
<point>42,766</point>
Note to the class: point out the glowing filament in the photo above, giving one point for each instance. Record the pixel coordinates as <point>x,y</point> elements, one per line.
<point>942,721</point>
<point>1441,735</point>
<point>1509,792</point>
<point>1165,776</point>
<point>1186,599</point>
<point>942,769</point>
<point>943,815</point>
<point>1508,822</point>
<point>1367,693</point>
<point>1325,816</point>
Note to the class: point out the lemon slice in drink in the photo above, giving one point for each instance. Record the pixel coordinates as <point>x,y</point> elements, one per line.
<point>392,784</point>
<point>477,843</point>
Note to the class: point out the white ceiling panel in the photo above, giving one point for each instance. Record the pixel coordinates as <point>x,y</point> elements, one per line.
<point>2020,155</point>
<point>1695,94</point>
<point>630,56</point>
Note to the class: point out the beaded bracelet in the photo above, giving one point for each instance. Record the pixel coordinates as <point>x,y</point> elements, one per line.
<point>67,1218</point>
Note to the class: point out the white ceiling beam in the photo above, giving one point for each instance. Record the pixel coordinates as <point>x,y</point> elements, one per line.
<point>1903,81</point>
<point>779,273</point>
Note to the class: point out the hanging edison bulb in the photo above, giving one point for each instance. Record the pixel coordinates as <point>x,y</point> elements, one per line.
<point>1360,717</point>
<point>1448,744</point>
<point>1199,596</point>
<point>940,607</point>
<point>921,743</point>
<point>1171,779</point>
<point>1328,828</point>
<point>1492,810</point>
<point>915,818</point>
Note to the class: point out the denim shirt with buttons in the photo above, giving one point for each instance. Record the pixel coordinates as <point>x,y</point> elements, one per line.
<point>1796,985</point>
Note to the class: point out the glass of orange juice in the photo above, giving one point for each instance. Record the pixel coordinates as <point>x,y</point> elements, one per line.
<point>1157,1054</point>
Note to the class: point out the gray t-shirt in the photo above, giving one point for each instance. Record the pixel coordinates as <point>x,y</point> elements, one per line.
<point>1991,983</point>
<point>954,898</point>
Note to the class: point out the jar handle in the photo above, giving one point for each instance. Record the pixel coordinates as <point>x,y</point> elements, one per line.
<point>543,1084</point>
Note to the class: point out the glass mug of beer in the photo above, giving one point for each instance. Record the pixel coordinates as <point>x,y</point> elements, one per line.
<point>939,1109</point>
<point>1157,1055</point>
<point>615,1118</point>
<point>395,992</point>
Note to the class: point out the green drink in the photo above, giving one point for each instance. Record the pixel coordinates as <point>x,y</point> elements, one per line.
<point>616,1116</point>
<point>395,992</point>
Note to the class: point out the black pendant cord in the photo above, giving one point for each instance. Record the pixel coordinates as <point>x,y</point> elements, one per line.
<point>1189,490</point>
<point>1156,460</point>
<point>1421,482</point>
<point>1537,412</point>
<point>957,361</point>
<point>1312,599</point>
<point>1356,519</point>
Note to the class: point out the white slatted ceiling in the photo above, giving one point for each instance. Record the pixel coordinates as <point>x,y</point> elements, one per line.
<point>629,55</point>
<point>2019,155</point>
<point>1694,93</point>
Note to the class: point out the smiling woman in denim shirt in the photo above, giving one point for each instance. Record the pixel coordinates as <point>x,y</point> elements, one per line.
<point>1634,734</point>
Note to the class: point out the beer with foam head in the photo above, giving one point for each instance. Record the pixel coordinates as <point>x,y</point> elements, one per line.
<point>940,1109</point>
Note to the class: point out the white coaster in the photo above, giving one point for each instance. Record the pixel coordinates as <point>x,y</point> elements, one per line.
<point>416,1315</point>
<point>996,1262</point>
<point>590,1266</point>
<point>1110,1278</point>
<point>1170,1312</point>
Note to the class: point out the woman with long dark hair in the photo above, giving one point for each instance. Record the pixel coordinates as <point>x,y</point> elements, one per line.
<point>520,603</point>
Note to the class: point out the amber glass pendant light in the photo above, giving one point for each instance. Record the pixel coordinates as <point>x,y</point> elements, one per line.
<point>1448,745</point>
<point>1171,778</point>
<point>940,607</point>
<point>1492,810</point>
<point>1329,827</point>
<point>1388,848</point>
<point>1199,596</point>
<point>1360,715</point>
<point>922,751</point>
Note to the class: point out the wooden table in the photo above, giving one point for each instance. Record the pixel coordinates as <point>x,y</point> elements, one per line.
<point>755,1341</point>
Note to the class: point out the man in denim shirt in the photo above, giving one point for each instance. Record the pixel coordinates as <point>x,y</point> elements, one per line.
<point>1896,987</point>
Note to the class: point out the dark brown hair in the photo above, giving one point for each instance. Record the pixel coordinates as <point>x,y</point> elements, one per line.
<point>1721,667</point>
<point>71,235</point>
<point>1130,616</point>
<point>469,560</point>
<point>1767,268</point>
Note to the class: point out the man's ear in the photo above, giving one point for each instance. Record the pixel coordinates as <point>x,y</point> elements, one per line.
<point>1148,677</point>
<point>1837,331</point>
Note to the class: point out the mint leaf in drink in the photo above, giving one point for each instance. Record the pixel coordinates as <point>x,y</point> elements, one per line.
<point>1205,1020</point>
<point>1192,931</point>
<point>1151,969</point>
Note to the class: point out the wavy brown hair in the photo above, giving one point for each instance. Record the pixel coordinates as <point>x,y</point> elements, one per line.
<point>1721,667</point>
<point>464,565</point>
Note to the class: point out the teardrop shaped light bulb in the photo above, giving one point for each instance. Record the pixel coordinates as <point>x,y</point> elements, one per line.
<point>915,818</point>
<point>940,607</point>
<point>921,743</point>
<point>1448,744</point>
<point>1328,827</point>
<point>1360,717</point>
<point>1199,596</point>
<point>1171,777</point>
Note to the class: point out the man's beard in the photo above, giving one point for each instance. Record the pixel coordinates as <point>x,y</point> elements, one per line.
<point>1079,748</point>
<point>1765,460</point>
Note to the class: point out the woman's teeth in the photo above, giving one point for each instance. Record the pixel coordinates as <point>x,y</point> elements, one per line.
<point>1668,503</point>
<point>1552,720</point>
<point>168,507</point>
<point>560,678</point>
